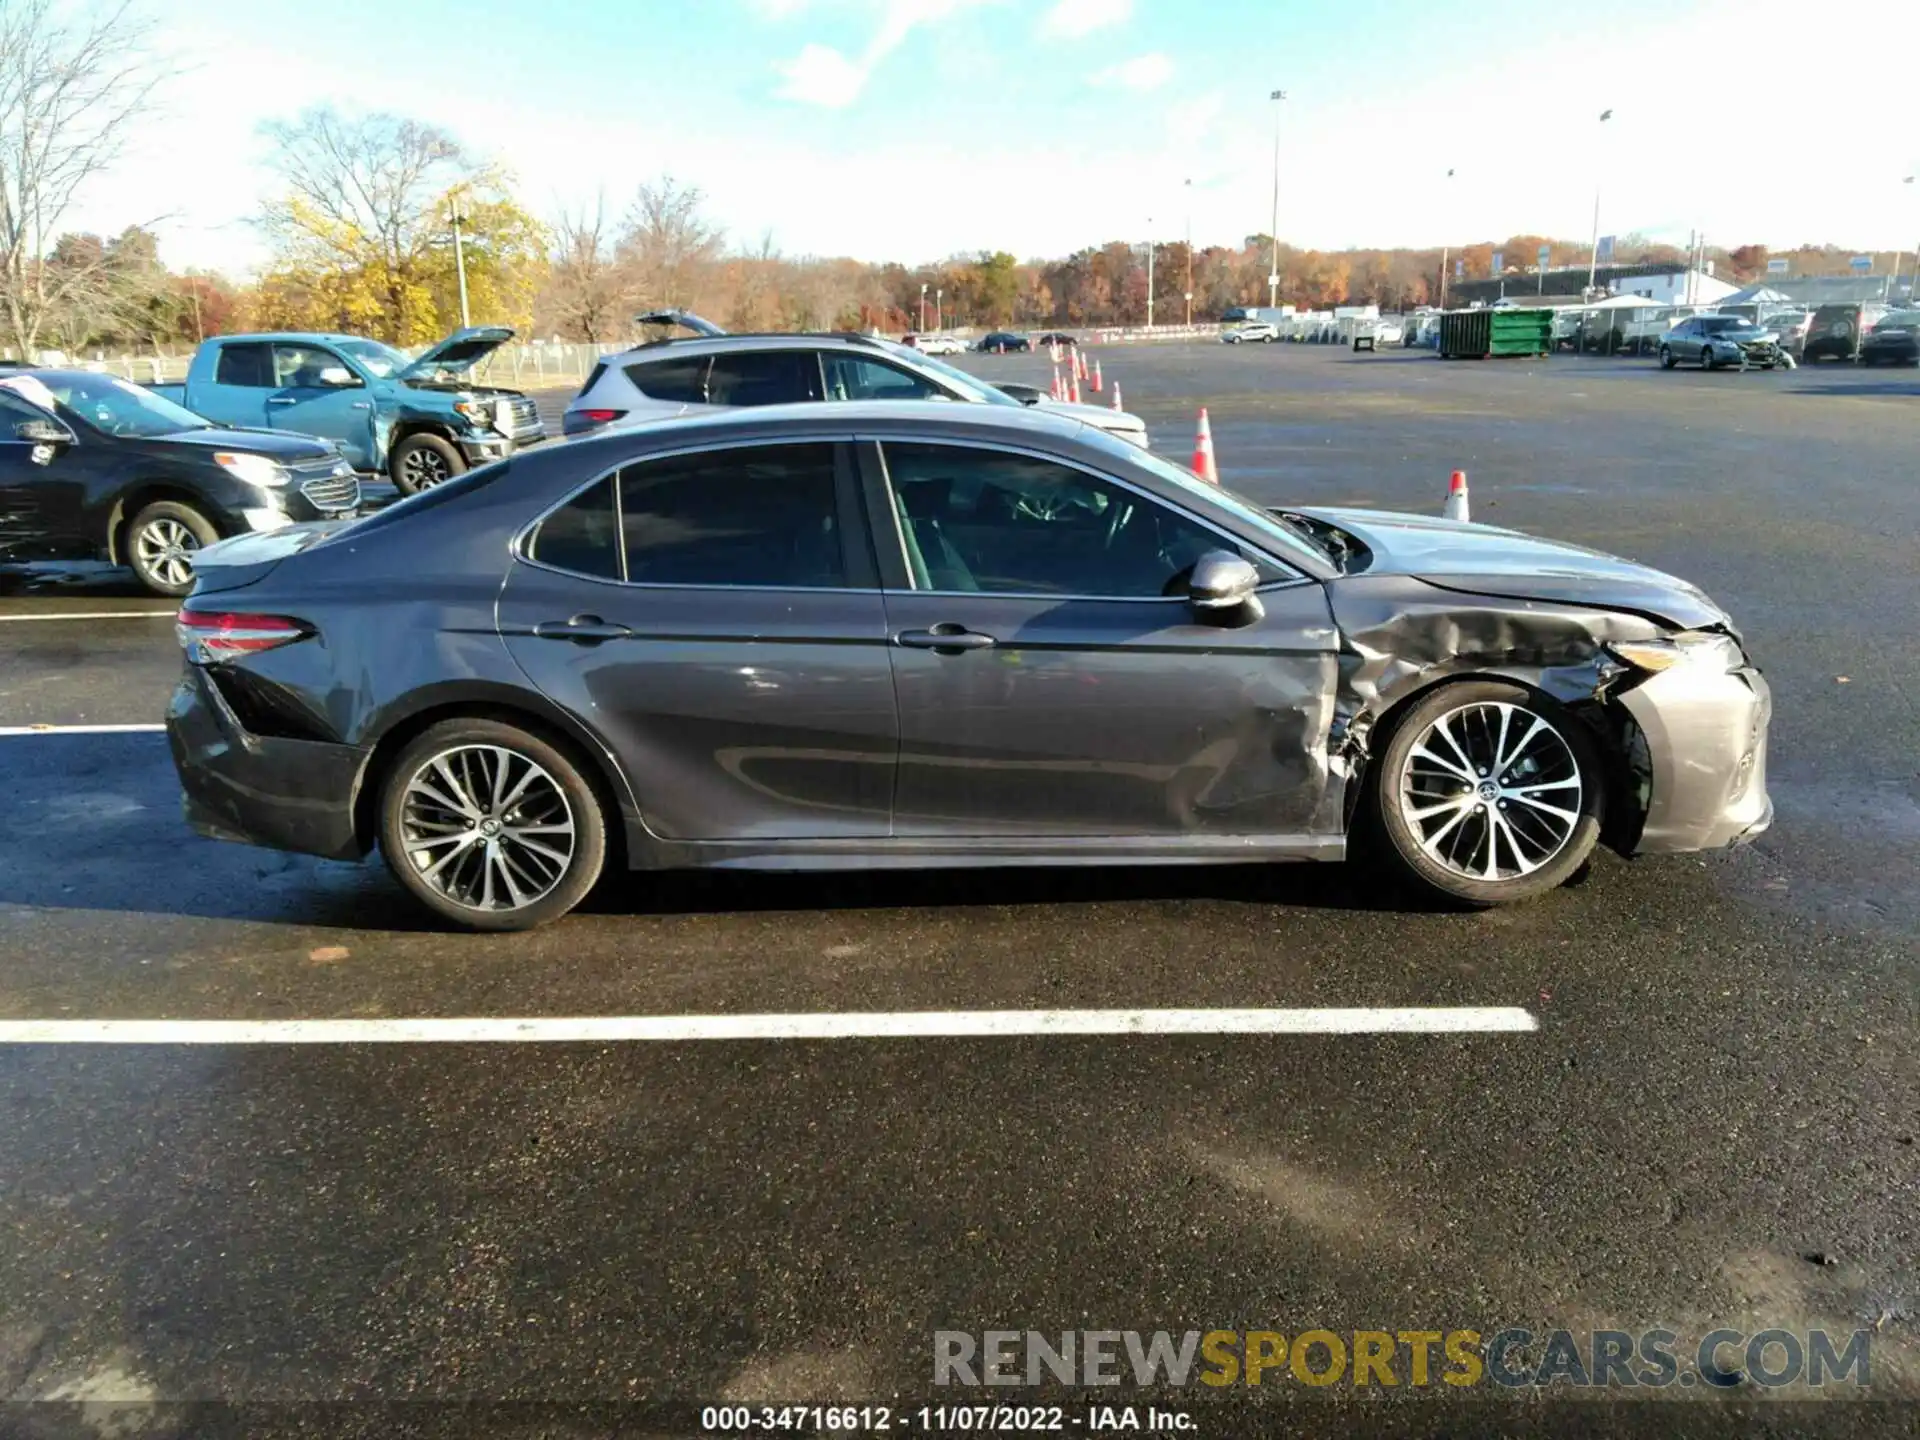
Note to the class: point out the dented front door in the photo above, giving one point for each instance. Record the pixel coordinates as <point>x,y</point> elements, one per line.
<point>1104,717</point>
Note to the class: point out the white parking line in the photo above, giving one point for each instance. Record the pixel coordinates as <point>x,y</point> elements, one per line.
<point>143,729</point>
<point>884,1025</point>
<point>91,615</point>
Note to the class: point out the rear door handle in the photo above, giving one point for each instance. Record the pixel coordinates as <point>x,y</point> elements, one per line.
<point>582,629</point>
<point>946,637</point>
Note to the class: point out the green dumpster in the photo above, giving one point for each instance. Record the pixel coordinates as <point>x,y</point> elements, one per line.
<point>1476,334</point>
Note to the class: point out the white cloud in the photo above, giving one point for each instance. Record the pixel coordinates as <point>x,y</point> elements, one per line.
<point>821,75</point>
<point>1073,19</point>
<point>1143,72</point>
<point>777,10</point>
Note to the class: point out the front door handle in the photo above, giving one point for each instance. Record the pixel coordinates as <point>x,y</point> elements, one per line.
<point>946,637</point>
<point>581,629</point>
<point>283,399</point>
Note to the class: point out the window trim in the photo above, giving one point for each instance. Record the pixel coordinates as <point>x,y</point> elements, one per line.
<point>844,479</point>
<point>259,347</point>
<point>885,362</point>
<point>872,450</point>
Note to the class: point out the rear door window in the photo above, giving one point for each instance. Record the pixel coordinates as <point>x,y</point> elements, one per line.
<point>248,365</point>
<point>679,379</point>
<point>582,536</point>
<point>751,515</point>
<point>764,377</point>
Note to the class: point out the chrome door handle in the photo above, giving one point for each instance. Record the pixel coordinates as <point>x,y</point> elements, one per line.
<point>582,629</point>
<point>283,399</point>
<point>946,637</point>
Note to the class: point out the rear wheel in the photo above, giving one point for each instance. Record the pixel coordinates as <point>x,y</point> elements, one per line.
<point>161,544</point>
<point>420,462</point>
<point>1487,793</point>
<point>490,826</point>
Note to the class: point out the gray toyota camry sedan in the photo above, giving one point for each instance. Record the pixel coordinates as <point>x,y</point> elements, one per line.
<point>916,634</point>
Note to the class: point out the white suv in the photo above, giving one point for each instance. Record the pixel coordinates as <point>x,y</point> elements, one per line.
<point>712,368</point>
<point>1259,330</point>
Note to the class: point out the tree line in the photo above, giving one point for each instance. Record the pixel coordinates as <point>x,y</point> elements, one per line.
<point>362,238</point>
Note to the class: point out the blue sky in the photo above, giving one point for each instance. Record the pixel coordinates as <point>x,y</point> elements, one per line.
<point>913,129</point>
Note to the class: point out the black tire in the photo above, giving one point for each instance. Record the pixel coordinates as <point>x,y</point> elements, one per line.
<point>1706,358</point>
<point>1666,357</point>
<point>160,542</point>
<point>420,462</point>
<point>1436,864</point>
<point>415,829</point>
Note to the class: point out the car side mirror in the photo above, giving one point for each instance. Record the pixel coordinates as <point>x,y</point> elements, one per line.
<point>338,377</point>
<point>1222,588</point>
<point>43,432</point>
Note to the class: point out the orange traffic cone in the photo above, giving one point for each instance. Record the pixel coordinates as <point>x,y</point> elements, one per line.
<point>1096,376</point>
<point>1055,390</point>
<point>1456,506</point>
<point>1116,394</point>
<point>1073,390</point>
<point>1080,358</point>
<point>1203,465</point>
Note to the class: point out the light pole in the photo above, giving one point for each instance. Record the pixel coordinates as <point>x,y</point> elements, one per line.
<point>1189,189</point>
<point>1150,248</point>
<point>923,307</point>
<point>1446,248</point>
<point>1273,275</point>
<point>1893,276</point>
<point>938,294</point>
<point>457,218</point>
<point>1593,256</point>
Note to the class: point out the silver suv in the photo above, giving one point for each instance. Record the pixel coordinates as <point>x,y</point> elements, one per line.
<point>712,369</point>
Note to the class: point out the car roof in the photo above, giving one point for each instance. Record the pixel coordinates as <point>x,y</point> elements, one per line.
<point>287,335</point>
<point>765,340</point>
<point>810,418</point>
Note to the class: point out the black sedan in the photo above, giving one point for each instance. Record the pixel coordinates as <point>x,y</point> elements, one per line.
<point>913,634</point>
<point>93,467</point>
<point>1003,342</point>
<point>1894,341</point>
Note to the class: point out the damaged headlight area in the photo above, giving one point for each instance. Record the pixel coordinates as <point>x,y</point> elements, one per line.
<point>1707,650</point>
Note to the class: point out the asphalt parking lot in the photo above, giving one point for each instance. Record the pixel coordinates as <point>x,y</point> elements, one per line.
<point>1713,1124</point>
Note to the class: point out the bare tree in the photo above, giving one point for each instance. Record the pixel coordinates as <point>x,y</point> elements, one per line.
<point>70,86</point>
<point>668,248</point>
<point>586,291</point>
<point>363,194</point>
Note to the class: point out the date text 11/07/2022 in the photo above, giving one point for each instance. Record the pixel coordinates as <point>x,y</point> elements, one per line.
<point>942,1419</point>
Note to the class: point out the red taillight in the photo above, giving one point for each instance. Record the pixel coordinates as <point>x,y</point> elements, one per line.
<point>208,635</point>
<point>600,417</point>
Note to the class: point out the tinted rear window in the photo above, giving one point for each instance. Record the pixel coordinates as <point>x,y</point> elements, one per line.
<point>765,377</point>
<point>681,379</point>
<point>582,536</point>
<point>244,365</point>
<point>756,515</point>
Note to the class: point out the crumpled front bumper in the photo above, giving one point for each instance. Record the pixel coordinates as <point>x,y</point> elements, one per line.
<point>282,793</point>
<point>1705,734</point>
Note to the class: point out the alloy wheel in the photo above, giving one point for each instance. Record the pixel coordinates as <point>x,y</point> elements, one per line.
<point>487,827</point>
<point>423,468</point>
<point>1491,791</point>
<point>164,548</point>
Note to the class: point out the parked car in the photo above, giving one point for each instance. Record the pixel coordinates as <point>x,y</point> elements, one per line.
<point>928,634</point>
<point>1253,330</point>
<point>1836,332</point>
<point>418,420</point>
<point>1711,341</point>
<point>1002,342</point>
<point>713,369</point>
<point>96,468</point>
<point>1790,326</point>
<point>1055,337</point>
<point>941,344</point>
<point>1894,341</point>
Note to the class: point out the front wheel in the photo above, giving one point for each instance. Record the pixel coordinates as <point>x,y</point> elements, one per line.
<point>1666,358</point>
<point>420,462</point>
<point>490,826</point>
<point>1487,793</point>
<point>161,544</point>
